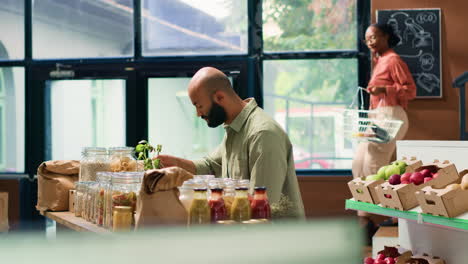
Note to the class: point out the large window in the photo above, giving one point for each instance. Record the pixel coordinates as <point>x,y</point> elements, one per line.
<point>76,73</point>
<point>173,121</point>
<point>86,113</point>
<point>11,29</point>
<point>11,119</point>
<point>82,28</point>
<point>305,94</point>
<point>194,27</point>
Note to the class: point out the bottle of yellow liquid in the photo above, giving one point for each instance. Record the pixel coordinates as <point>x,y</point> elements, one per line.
<point>200,211</point>
<point>240,210</point>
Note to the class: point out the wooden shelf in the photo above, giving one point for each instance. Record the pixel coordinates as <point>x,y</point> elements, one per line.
<point>69,220</point>
<point>415,214</point>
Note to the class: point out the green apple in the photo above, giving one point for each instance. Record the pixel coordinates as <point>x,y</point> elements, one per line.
<point>391,169</point>
<point>401,164</point>
<point>381,172</point>
<point>373,177</point>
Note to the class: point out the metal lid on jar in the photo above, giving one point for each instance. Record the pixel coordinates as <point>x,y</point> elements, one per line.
<point>242,189</point>
<point>260,188</point>
<point>200,189</point>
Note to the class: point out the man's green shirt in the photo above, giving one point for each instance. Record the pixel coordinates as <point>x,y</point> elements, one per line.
<point>255,147</point>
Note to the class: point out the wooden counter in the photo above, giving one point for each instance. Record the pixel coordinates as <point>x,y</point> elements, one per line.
<point>70,221</point>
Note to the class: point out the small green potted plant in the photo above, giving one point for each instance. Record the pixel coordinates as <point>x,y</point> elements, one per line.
<point>146,152</point>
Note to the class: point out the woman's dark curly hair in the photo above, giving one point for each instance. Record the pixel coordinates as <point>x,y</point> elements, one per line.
<point>387,29</point>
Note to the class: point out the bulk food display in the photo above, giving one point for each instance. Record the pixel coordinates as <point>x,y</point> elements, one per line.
<point>109,196</point>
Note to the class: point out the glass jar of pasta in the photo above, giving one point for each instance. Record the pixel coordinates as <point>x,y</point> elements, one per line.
<point>80,188</point>
<point>93,160</point>
<point>124,189</point>
<point>103,185</point>
<point>122,159</point>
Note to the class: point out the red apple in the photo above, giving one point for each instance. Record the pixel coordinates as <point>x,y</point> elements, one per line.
<point>394,179</point>
<point>379,261</point>
<point>427,179</point>
<point>380,257</point>
<point>405,182</point>
<point>389,260</point>
<point>417,178</point>
<point>426,173</point>
<point>405,176</point>
<point>368,260</point>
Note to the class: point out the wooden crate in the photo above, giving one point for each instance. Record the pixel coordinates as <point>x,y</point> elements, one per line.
<point>443,202</point>
<point>364,191</point>
<point>402,196</point>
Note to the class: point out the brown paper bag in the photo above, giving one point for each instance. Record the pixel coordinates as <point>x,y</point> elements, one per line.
<point>159,203</point>
<point>55,179</point>
<point>4,212</point>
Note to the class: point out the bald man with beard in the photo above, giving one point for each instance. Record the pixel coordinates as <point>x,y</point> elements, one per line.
<point>254,147</point>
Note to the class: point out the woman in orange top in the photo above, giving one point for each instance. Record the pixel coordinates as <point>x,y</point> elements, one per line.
<point>391,87</point>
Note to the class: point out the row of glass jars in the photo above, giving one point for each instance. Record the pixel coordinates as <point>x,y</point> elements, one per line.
<point>220,204</point>
<point>115,159</point>
<point>97,201</point>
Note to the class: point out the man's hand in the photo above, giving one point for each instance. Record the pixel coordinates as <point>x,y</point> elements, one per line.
<point>376,90</point>
<point>168,161</point>
<point>171,161</point>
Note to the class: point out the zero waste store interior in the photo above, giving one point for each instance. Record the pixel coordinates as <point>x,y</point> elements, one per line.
<point>77,73</point>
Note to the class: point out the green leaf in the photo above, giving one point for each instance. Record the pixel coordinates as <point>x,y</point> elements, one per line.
<point>141,155</point>
<point>139,148</point>
<point>156,163</point>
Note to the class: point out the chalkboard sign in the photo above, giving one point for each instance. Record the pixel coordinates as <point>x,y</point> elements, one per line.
<point>420,48</point>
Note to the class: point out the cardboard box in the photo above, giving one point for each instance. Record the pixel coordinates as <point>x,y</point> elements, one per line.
<point>4,226</point>
<point>416,259</point>
<point>403,197</point>
<point>444,202</point>
<point>364,191</point>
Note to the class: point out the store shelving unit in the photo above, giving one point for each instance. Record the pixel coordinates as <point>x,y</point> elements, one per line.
<point>460,223</point>
<point>423,233</point>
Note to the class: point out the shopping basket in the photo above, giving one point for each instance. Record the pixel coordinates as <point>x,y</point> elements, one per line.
<point>369,125</point>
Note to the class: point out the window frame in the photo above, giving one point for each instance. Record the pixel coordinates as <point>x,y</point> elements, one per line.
<point>137,69</point>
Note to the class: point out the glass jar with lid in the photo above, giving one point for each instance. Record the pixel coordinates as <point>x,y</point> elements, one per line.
<point>260,206</point>
<point>103,185</point>
<point>240,210</point>
<point>122,159</point>
<point>93,160</point>
<point>91,191</point>
<point>124,189</point>
<point>122,218</point>
<point>80,188</point>
<point>229,193</point>
<point>186,193</point>
<point>200,212</point>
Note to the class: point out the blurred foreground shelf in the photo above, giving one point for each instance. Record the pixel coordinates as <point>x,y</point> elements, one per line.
<point>415,214</point>
<point>70,221</point>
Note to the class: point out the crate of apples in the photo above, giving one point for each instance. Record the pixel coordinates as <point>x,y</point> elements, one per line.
<point>449,201</point>
<point>363,189</point>
<point>399,191</point>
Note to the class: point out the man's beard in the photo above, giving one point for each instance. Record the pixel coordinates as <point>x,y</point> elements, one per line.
<point>216,116</point>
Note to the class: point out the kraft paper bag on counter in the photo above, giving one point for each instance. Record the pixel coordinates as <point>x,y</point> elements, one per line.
<point>4,212</point>
<point>55,179</point>
<point>159,203</point>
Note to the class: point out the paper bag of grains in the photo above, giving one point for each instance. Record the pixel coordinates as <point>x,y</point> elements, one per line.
<point>55,179</point>
<point>158,202</point>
